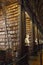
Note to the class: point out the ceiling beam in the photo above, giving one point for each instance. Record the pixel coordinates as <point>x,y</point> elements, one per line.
<point>29,10</point>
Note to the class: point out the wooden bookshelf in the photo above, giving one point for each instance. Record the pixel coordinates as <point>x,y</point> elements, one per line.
<point>29,27</point>
<point>9,32</point>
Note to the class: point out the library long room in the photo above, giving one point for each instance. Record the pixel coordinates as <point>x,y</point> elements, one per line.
<point>21,32</point>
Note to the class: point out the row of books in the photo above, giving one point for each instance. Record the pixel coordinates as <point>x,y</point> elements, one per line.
<point>28,27</point>
<point>9,28</point>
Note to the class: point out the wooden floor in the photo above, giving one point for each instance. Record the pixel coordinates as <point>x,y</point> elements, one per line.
<point>36,60</point>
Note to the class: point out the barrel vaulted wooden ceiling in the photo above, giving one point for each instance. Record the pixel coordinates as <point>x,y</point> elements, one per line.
<point>35,5</point>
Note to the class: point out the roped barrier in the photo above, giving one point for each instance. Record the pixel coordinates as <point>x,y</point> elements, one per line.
<point>18,60</point>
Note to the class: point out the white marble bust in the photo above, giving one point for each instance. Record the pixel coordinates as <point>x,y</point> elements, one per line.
<point>27,40</point>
